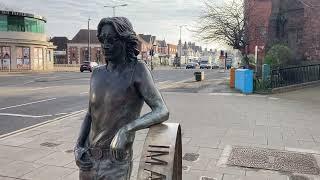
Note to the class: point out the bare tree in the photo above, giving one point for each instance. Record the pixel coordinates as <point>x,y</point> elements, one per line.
<point>226,23</point>
<point>223,23</point>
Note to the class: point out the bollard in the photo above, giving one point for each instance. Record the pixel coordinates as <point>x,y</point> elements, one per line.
<point>199,76</point>
<point>232,77</point>
<point>265,72</point>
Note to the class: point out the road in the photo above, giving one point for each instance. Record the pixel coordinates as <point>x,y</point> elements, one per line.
<point>29,99</point>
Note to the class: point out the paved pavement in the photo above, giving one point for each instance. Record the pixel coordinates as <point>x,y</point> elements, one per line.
<point>212,123</point>
<point>28,99</point>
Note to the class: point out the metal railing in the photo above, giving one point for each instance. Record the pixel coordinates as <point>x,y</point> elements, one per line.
<point>66,67</point>
<point>281,77</point>
<point>20,69</point>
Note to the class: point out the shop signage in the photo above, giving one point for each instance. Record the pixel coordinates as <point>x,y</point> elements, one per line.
<point>13,13</point>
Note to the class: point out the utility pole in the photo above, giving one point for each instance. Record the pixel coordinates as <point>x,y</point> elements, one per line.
<point>114,8</point>
<point>181,44</point>
<point>114,11</point>
<point>89,53</point>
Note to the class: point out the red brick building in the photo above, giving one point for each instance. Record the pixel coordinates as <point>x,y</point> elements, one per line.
<point>292,22</point>
<point>162,48</point>
<point>145,44</point>
<point>297,23</point>
<point>258,13</point>
<point>172,50</point>
<point>78,48</point>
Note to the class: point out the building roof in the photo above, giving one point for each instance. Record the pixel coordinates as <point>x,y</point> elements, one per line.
<point>82,37</point>
<point>148,38</point>
<point>161,43</point>
<point>140,39</point>
<point>60,43</point>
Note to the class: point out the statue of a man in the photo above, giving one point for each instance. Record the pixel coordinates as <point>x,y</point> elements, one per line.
<point>118,91</point>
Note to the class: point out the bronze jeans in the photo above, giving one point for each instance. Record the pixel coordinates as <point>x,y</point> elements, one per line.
<point>105,167</point>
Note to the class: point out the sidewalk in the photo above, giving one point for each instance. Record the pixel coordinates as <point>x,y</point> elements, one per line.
<point>212,124</point>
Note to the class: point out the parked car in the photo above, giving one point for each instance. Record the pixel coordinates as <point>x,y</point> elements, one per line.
<point>191,65</point>
<point>205,65</point>
<point>88,66</point>
<point>215,66</point>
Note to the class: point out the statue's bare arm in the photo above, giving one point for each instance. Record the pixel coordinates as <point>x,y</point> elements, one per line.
<point>159,112</point>
<point>80,149</point>
<point>84,130</point>
<point>151,95</point>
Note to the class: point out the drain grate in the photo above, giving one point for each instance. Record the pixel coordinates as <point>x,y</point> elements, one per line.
<point>273,160</point>
<point>48,144</point>
<point>190,157</point>
<point>297,177</point>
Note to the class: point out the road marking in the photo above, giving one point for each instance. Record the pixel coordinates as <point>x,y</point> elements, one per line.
<point>41,124</point>
<point>84,93</point>
<point>273,98</point>
<point>172,84</point>
<point>23,115</point>
<point>163,82</point>
<point>31,116</point>
<point>61,114</point>
<point>35,102</point>
<point>39,88</point>
<point>28,82</point>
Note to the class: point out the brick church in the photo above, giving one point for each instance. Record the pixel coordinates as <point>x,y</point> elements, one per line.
<point>293,22</point>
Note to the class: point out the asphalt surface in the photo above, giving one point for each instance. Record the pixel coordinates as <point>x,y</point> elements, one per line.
<point>29,99</point>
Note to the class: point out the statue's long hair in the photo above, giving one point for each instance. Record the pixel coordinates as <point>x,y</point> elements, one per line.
<point>124,29</point>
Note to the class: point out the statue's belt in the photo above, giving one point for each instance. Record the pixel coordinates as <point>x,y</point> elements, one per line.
<point>99,153</point>
<point>104,153</point>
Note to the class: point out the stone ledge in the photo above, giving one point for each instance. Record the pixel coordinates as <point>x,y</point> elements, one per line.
<point>295,87</point>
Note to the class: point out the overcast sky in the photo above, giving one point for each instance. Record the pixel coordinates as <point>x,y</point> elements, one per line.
<point>157,17</point>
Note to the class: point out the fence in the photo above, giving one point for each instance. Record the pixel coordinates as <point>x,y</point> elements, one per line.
<point>66,67</point>
<point>281,77</point>
<point>24,69</point>
<point>56,67</point>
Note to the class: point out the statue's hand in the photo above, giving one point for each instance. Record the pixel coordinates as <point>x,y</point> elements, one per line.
<point>82,159</point>
<point>119,144</point>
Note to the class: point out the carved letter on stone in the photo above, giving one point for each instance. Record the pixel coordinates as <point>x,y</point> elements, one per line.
<point>164,160</point>
<point>154,154</point>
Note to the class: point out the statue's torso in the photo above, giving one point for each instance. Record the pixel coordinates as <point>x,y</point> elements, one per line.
<point>114,102</point>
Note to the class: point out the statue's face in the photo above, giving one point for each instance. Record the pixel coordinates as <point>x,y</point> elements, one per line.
<point>111,44</point>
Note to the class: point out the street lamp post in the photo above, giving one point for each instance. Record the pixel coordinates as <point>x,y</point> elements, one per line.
<point>152,54</point>
<point>114,8</point>
<point>181,43</point>
<point>89,39</point>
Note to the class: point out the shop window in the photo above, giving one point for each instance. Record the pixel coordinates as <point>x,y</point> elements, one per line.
<point>34,25</point>
<point>16,23</point>
<point>3,23</point>
<point>49,55</point>
<point>23,57</point>
<point>5,57</point>
<point>38,59</point>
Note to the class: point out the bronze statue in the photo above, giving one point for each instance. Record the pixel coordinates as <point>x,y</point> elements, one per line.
<point>118,91</point>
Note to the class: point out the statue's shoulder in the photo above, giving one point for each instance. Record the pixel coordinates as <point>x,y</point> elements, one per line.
<point>99,68</point>
<point>140,65</point>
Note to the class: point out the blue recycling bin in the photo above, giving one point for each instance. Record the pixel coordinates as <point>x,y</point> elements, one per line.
<point>244,80</point>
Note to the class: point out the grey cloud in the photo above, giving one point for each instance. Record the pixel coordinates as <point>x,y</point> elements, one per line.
<point>158,17</point>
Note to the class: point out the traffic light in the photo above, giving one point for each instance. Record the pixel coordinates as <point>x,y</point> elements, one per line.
<point>151,53</point>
